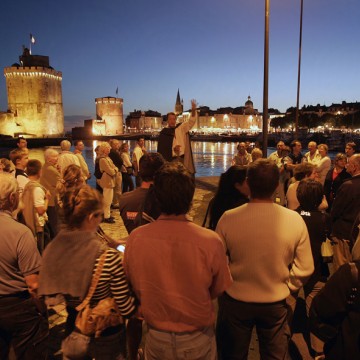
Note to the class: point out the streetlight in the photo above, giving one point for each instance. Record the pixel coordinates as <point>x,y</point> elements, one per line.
<point>298,82</point>
<point>266,79</point>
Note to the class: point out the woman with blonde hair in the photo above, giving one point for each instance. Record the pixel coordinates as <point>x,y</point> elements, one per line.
<point>107,181</point>
<point>69,264</point>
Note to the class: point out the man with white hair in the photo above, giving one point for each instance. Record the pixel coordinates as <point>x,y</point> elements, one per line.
<point>22,325</point>
<point>49,178</point>
<point>66,157</point>
<point>312,156</point>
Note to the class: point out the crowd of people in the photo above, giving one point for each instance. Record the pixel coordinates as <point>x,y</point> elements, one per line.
<point>260,244</point>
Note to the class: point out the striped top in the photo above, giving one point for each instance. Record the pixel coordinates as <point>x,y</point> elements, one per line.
<point>112,283</point>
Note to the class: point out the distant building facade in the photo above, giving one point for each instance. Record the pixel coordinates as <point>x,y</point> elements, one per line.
<point>34,93</point>
<point>144,121</point>
<point>242,118</point>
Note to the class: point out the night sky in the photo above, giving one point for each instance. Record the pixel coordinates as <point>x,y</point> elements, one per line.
<point>212,50</point>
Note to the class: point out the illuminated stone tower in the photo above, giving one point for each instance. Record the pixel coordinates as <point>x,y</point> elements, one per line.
<point>34,98</point>
<point>179,104</point>
<point>110,110</point>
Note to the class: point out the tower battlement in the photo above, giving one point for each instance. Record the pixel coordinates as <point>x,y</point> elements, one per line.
<point>32,71</point>
<point>34,98</point>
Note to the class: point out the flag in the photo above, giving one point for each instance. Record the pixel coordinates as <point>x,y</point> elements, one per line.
<point>117,91</point>
<point>32,39</point>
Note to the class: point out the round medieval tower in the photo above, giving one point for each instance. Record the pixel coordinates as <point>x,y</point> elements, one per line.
<point>35,97</point>
<point>110,110</point>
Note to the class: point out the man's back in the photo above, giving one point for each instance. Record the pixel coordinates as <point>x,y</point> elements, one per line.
<point>130,203</point>
<point>262,240</point>
<point>176,268</point>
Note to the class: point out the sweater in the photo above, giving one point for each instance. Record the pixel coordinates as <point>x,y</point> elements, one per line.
<point>269,251</point>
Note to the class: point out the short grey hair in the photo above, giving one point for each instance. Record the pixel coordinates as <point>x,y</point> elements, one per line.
<point>8,186</point>
<point>50,153</point>
<point>65,145</point>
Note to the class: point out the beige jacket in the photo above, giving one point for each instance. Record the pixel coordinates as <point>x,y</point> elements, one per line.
<point>109,171</point>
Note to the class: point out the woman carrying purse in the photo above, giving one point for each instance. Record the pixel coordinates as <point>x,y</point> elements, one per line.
<point>69,263</point>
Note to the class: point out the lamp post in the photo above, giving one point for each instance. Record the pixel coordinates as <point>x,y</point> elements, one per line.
<point>298,81</point>
<point>266,79</point>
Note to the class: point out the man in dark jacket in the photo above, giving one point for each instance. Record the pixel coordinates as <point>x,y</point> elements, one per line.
<point>345,209</point>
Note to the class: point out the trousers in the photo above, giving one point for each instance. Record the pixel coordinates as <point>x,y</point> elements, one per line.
<point>236,320</point>
<point>23,327</point>
<point>197,345</point>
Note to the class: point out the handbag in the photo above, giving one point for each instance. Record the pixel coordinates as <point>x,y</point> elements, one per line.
<point>327,251</point>
<point>94,320</point>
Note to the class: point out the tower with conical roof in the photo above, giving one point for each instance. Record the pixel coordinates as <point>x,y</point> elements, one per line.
<point>179,108</point>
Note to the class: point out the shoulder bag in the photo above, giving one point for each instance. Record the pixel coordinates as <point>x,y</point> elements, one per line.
<point>94,320</point>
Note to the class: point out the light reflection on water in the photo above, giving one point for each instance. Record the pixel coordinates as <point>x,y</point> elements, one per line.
<point>211,159</point>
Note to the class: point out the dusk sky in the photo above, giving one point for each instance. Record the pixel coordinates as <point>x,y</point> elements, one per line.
<point>212,50</point>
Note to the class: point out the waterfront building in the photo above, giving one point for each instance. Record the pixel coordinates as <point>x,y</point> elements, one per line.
<point>34,95</point>
<point>243,118</point>
<point>109,119</point>
<point>144,121</point>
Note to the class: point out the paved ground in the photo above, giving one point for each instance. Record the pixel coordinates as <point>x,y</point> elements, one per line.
<point>205,188</point>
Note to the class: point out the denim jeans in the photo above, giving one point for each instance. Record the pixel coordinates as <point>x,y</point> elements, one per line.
<point>198,345</point>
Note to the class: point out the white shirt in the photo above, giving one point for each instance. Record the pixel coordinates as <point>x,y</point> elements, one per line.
<point>315,158</point>
<point>180,135</point>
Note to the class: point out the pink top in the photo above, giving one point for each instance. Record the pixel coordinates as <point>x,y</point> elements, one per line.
<point>176,268</point>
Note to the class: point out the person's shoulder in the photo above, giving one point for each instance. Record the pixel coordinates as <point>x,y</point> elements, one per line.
<point>353,181</point>
<point>287,212</point>
<point>206,238</point>
<point>21,231</point>
<point>113,254</point>
<point>293,185</point>
<point>138,192</point>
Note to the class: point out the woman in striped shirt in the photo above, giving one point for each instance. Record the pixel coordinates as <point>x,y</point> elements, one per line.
<point>69,263</point>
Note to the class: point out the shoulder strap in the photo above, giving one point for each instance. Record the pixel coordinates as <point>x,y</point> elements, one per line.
<point>354,282</point>
<point>94,281</point>
<point>207,211</point>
